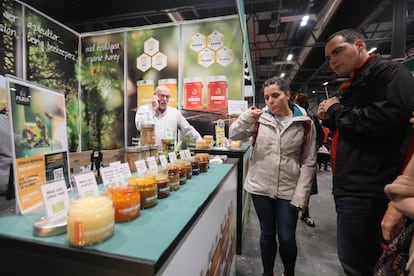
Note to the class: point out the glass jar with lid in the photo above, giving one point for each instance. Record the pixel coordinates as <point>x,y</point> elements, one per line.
<point>126,201</point>
<point>147,187</point>
<point>90,220</point>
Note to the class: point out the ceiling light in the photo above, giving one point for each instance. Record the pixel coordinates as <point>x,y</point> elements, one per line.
<point>289,57</point>
<point>304,21</point>
<point>313,91</point>
<point>325,83</point>
<point>282,75</point>
<point>372,50</point>
<point>175,16</point>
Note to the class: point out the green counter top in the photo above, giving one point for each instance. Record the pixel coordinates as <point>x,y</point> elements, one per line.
<point>146,237</point>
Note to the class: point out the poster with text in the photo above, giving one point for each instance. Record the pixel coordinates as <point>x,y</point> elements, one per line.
<point>52,59</point>
<point>11,25</point>
<point>40,150</point>
<point>102,92</point>
<point>153,59</point>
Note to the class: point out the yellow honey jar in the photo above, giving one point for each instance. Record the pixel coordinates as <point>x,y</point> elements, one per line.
<point>147,187</point>
<point>90,220</point>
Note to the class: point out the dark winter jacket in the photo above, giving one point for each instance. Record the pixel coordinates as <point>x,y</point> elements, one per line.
<point>371,125</point>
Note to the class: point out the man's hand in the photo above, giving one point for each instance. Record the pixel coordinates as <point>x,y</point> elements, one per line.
<point>155,103</point>
<point>324,106</point>
<point>392,223</point>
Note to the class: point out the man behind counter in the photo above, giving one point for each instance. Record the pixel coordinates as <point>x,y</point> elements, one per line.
<point>167,120</point>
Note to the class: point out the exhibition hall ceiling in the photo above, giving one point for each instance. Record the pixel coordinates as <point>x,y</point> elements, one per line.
<point>274,28</point>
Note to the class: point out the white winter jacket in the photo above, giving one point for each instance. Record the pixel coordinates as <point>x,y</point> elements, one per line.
<point>282,164</point>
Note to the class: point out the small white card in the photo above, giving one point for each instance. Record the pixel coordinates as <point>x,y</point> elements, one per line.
<point>187,153</point>
<point>124,172</point>
<point>110,176</point>
<point>55,199</point>
<point>172,157</point>
<point>163,160</point>
<point>182,154</point>
<point>86,184</point>
<point>152,164</point>
<point>141,166</point>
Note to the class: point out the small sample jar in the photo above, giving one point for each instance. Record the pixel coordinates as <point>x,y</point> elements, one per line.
<point>126,201</point>
<point>195,166</point>
<point>147,188</point>
<point>162,180</point>
<point>90,220</point>
<point>147,134</point>
<point>202,159</point>
<point>167,145</point>
<point>181,171</point>
<point>188,168</point>
<point>173,177</point>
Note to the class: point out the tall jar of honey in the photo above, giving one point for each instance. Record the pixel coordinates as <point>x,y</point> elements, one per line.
<point>90,220</point>
<point>126,201</point>
<point>147,134</point>
<point>148,189</point>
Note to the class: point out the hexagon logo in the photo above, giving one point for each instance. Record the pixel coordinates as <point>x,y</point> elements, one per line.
<point>224,56</point>
<point>151,46</point>
<point>215,40</point>
<point>159,61</point>
<point>143,62</point>
<point>205,57</point>
<point>197,42</point>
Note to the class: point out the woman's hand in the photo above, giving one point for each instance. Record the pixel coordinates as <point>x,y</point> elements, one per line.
<point>256,113</point>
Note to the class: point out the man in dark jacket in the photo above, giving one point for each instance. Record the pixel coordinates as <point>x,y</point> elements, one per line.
<point>370,122</point>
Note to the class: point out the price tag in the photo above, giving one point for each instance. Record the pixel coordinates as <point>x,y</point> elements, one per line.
<point>172,157</point>
<point>182,154</point>
<point>56,199</point>
<point>124,172</point>
<point>152,164</point>
<point>110,176</point>
<point>86,184</point>
<point>163,160</point>
<point>141,167</point>
<point>187,153</point>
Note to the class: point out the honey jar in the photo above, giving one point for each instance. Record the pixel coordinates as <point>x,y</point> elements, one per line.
<point>147,134</point>
<point>162,180</point>
<point>188,168</point>
<point>182,172</point>
<point>133,154</point>
<point>126,201</point>
<point>173,177</point>
<point>90,220</point>
<point>148,189</point>
<point>195,166</point>
<point>202,159</point>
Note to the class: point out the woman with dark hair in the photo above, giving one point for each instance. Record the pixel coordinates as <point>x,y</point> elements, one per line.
<point>283,163</point>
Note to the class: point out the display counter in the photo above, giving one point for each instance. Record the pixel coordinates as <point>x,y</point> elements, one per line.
<point>243,155</point>
<point>191,232</point>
